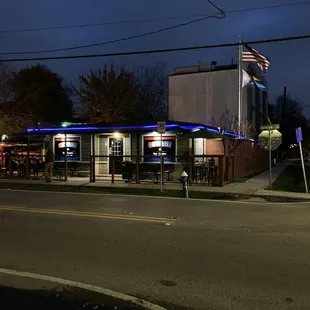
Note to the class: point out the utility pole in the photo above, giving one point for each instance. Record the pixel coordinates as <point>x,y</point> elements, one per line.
<point>281,115</point>
<point>270,160</point>
<point>240,87</point>
<point>284,103</point>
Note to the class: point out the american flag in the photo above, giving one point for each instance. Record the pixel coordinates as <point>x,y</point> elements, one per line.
<point>249,54</point>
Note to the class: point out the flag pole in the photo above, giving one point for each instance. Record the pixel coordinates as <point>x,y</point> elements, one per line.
<point>239,87</point>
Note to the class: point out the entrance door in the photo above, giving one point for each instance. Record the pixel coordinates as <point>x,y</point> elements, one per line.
<point>116,149</point>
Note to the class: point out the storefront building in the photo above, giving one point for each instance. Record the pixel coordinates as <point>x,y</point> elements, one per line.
<point>104,148</point>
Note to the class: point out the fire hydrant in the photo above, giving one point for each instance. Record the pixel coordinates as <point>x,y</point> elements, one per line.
<point>184,182</point>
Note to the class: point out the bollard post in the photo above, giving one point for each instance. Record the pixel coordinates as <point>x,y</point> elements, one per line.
<point>113,167</point>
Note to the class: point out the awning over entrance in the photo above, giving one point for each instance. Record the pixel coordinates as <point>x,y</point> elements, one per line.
<point>23,139</point>
<point>202,133</point>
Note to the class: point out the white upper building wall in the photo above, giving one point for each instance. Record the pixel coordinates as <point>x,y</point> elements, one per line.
<point>203,96</point>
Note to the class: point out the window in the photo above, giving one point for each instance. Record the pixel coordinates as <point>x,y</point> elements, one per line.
<point>151,146</point>
<point>73,148</point>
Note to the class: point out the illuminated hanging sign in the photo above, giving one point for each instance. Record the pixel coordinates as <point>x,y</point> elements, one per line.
<point>156,144</point>
<point>73,146</point>
<point>153,146</point>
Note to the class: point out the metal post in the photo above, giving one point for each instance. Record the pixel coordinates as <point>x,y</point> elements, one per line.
<point>161,162</point>
<point>27,160</point>
<point>138,159</point>
<point>112,158</point>
<point>66,159</point>
<point>270,162</point>
<point>284,104</point>
<point>91,159</point>
<point>239,87</point>
<point>91,168</point>
<point>303,166</point>
<point>10,164</point>
<point>94,158</point>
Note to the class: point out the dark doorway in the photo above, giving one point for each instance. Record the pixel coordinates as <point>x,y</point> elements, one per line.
<point>116,149</point>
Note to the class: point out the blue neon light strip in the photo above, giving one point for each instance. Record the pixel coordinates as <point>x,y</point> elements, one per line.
<point>115,128</point>
<point>191,127</point>
<point>64,129</point>
<point>227,133</point>
<point>214,130</point>
<point>89,128</point>
<point>157,160</point>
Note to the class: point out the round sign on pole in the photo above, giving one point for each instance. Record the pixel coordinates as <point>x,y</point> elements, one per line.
<point>275,136</point>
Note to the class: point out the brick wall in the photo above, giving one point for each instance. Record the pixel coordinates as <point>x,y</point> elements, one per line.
<point>214,147</point>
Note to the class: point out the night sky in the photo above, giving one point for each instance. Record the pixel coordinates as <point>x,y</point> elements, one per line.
<point>290,61</point>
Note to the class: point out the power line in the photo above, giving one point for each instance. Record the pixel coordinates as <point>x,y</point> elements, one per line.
<point>219,15</point>
<point>108,42</point>
<point>301,101</point>
<point>139,21</point>
<point>154,51</point>
<point>222,12</point>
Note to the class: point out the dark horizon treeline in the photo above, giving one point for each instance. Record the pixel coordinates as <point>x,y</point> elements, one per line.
<point>37,95</point>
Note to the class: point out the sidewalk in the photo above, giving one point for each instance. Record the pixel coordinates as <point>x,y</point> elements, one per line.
<point>257,183</point>
<point>255,186</point>
<point>279,194</point>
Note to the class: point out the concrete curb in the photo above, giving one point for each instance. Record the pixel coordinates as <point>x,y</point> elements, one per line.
<point>280,194</point>
<point>150,192</point>
<point>97,289</point>
<point>84,189</point>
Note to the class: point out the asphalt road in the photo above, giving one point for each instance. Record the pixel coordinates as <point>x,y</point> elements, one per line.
<point>195,254</point>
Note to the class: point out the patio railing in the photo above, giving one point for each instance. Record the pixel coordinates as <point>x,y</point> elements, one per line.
<point>146,169</point>
<point>201,169</point>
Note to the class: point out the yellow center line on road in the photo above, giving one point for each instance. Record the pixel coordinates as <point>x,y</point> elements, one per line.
<point>91,214</point>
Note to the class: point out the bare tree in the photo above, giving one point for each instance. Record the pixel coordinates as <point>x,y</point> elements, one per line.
<point>107,95</point>
<point>230,123</point>
<point>290,115</point>
<point>9,121</point>
<point>152,97</point>
<point>5,78</point>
